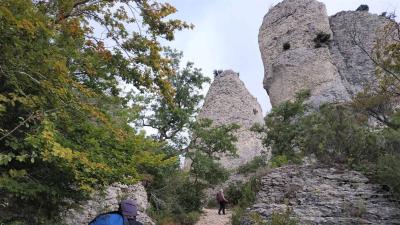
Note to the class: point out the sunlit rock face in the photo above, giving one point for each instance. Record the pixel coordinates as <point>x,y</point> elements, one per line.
<point>303,48</point>
<point>291,61</point>
<point>228,101</point>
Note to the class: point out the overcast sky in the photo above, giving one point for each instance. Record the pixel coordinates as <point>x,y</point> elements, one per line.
<point>225,35</point>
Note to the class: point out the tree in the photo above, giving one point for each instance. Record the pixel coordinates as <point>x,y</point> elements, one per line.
<point>172,122</point>
<point>64,130</point>
<point>207,144</point>
<point>380,101</point>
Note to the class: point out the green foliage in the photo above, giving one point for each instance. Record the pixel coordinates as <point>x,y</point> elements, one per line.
<point>172,122</point>
<point>281,128</point>
<point>282,219</point>
<point>213,140</point>
<point>174,195</point>
<point>278,161</point>
<point>64,123</point>
<point>380,100</point>
<point>237,215</point>
<point>253,165</point>
<point>207,169</point>
<point>335,134</point>
<point>275,219</point>
<point>242,196</point>
<point>207,143</point>
<point>389,172</point>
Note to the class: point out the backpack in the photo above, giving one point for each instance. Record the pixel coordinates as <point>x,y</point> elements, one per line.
<point>110,218</point>
<point>219,197</point>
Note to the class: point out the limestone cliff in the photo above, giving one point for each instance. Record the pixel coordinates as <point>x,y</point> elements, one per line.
<point>302,48</point>
<point>318,195</point>
<point>228,101</point>
<point>108,201</point>
<point>354,35</point>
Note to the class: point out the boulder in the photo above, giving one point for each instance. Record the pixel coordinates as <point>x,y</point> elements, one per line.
<point>108,201</point>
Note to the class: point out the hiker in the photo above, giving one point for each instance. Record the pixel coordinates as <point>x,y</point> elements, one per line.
<point>222,201</point>
<point>126,215</point>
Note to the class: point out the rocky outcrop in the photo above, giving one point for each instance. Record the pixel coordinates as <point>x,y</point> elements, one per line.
<point>108,201</point>
<point>228,101</point>
<point>324,196</point>
<point>302,48</point>
<point>354,35</point>
<point>291,60</point>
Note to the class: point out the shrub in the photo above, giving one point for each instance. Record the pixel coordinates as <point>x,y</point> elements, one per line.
<point>237,215</point>
<point>282,219</point>
<point>388,172</point>
<point>286,46</point>
<point>322,39</point>
<point>243,194</point>
<point>363,8</point>
<point>278,161</point>
<point>253,165</point>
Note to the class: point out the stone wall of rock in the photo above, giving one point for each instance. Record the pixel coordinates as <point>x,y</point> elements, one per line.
<point>318,195</point>
<point>354,35</point>
<point>291,60</point>
<point>295,58</point>
<point>108,201</point>
<point>228,101</point>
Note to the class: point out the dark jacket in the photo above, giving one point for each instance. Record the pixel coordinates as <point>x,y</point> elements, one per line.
<point>221,197</point>
<point>134,222</point>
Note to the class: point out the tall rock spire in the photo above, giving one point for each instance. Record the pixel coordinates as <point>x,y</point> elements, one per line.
<point>228,101</point>
<point>303,48</point>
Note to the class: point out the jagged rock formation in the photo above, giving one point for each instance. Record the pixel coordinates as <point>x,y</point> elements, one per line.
<point>302,48</point>
<point>353,60</point>
<point>324,196</point>
<point>108,201</point>
<point>228,101</point>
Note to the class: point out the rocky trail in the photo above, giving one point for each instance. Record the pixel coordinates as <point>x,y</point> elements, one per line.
<point>211,217</point>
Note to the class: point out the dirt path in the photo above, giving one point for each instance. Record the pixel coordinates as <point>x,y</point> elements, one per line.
<point>211,217</point>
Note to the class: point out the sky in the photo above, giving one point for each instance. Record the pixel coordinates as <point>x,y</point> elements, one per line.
<point>226,35</point>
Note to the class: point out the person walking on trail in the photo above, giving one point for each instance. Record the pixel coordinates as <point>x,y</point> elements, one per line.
<point>126,215</point>
<point>222,201</point>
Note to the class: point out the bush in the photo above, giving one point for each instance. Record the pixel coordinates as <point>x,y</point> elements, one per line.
<point>388,172</point>
<point>282,219</point>
<point>286,46</point>
<point>281,160</point>
<point>322,39</point>
<point>363,8</point>
<point>237,215</point>
<point>253,165</point>
<point>243,194</point>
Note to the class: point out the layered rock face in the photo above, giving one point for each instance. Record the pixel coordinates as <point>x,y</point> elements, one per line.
<point>295,58</point>
<point>228,101</point>
<point>354,35</point>
<point>108,201</point>
<point>325,196</point>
